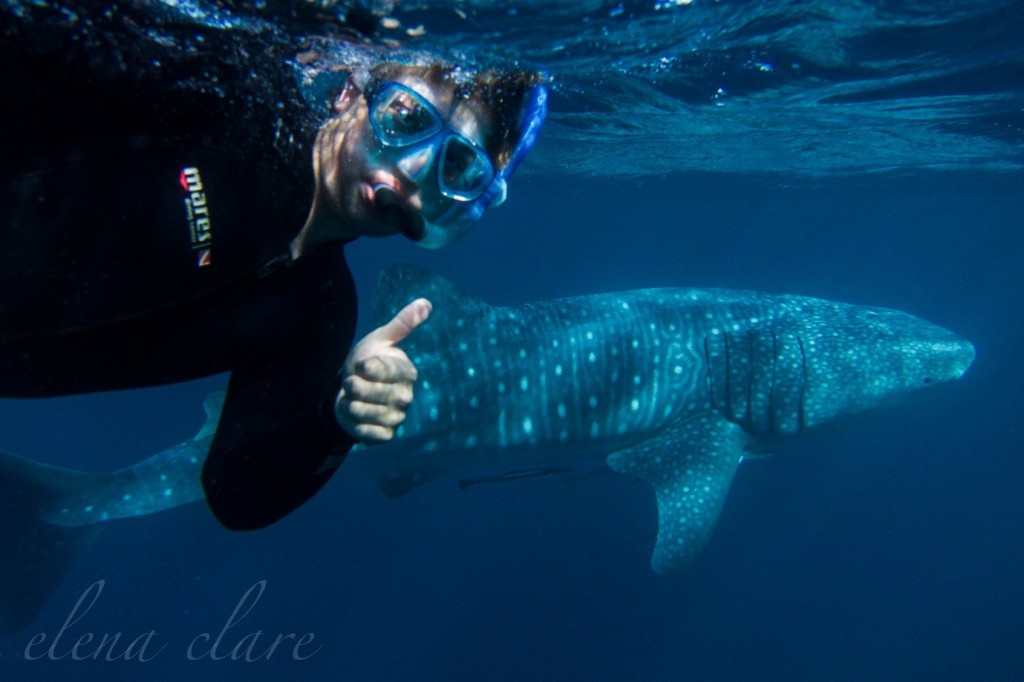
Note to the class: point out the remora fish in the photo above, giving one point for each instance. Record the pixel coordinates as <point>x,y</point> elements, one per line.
<point>514,475</point>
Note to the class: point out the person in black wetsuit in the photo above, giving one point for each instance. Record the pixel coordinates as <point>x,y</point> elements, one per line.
<point>175,204</point>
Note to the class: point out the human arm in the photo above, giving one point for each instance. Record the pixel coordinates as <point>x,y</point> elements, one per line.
<point>278,440</point>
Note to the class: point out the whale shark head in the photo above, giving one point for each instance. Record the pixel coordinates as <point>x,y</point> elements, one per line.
<point>861,357</point>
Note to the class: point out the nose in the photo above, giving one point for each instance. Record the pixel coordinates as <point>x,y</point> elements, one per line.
<point>416,164</point>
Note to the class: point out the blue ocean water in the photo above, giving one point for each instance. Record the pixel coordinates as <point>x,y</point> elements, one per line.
<point>885,547</point>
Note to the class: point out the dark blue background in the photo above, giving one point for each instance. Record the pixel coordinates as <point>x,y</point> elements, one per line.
<point>886,547</point>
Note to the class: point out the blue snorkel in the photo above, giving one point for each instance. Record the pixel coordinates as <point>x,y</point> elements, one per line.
<point>392,210</point>
<point>535,109</point>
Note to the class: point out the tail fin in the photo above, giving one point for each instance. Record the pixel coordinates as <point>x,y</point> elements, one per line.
<point>36,554</point>
<point>49,516</point>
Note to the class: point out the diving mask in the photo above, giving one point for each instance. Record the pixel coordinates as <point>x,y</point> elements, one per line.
<point>406,124</point>
<point>404,121</point>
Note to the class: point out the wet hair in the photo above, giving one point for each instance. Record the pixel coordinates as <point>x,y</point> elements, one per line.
<point>502,93</point>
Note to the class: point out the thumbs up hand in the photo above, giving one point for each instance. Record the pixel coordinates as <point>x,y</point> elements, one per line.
<point>377,380</point>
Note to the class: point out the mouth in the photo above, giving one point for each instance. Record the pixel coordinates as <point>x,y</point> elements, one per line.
<point>387,205</point>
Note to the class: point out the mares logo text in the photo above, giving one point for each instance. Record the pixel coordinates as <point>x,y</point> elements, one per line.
<point>198,214</point>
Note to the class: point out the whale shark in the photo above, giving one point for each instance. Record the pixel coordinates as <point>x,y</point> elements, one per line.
<point>673,386</point>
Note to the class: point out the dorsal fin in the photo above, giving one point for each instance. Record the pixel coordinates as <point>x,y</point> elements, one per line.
<point>454,309</point>
<point>398,285</point>
<point>212,404</point>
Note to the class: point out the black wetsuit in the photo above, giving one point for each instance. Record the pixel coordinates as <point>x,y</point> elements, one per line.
<point>154,172</point>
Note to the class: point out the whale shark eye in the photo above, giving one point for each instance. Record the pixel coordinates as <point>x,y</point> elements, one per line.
<point>928,380</point>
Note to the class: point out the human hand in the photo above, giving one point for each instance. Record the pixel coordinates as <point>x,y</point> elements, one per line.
<point>377,380</point>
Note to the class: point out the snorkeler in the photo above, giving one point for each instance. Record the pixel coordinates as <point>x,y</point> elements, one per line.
<point>175,205</point>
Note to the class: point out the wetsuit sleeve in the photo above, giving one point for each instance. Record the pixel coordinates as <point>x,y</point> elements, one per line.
<point>278,426</point>
<point>271,443</point>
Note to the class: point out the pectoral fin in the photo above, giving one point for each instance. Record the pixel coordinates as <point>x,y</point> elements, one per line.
<point>691,466</point>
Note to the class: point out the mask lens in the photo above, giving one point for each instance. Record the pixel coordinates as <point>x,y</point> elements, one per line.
<point>401,117</point>
<point>466,171</point>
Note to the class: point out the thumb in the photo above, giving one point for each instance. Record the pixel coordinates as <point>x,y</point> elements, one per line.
<point>402,324</point>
